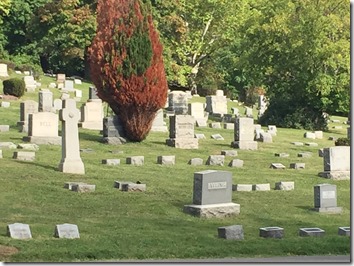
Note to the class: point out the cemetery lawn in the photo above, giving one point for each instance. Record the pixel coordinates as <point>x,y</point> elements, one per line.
<point>116,225</point>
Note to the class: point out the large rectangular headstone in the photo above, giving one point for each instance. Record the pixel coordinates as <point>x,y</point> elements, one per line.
<point>92,115</point>
<point>216,104</point>
<point>212,187</point>
<point>19,231</point>
<point>30,83</point>
<point>196,110</point>
<point>26,108</point>
<point>113,130</point>
<point>336,162</point>
<point>3,70</point>
<point>181,126</point>
<point>66,231</point>
<point>325,198</point>
<point>244,134</point>
<point>178,102</point>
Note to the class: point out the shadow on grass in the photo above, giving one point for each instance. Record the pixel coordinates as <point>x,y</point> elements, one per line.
<point>90,137</point>
<point>306,208</point>
<point>40,165</point>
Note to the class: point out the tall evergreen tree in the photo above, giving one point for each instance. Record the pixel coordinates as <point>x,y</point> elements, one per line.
<point>126,64</point>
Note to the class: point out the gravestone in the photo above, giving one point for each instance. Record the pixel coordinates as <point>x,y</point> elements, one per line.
<point>19,231</point>
<point>132,187</point>
<point>271,232</point>
<point>24,155</point>
<point>66,231</point>
<point>215,125</point>
<point>216,104</point>
<point>289,185</point>
<point>197,110</point>
<point>71,162</point>
<point>92,115</point>
<point>5,104</point>
<point>297,165</point>
<point>216,160</point>
<point>282,154</point>
<point>64,96</point>
<point>261,187</point>
<point>43,129</point>
<point>242,187</point>
<point>212,195</point>
<point>30,83</point>
<point>344,231</point>
<point>314,231</point>
<point>244,134</point>
<point>159,125</point>
<point>199,136</point>
<point>309,135</point>
<point>78,94</point>
<point>336,163</point>
<point>69,185</point>
<point>262,105</point>
<point>3,70</point>
<point>233,232</point>
<point>57,104</point>
<point>93,93</point>
<point>83,188</point>
<point>166,159</point>
<point>111,161</point>
<point>305,154</point>
<point>201,122</point>
<point>236,163</point>
<point>228,125</point>
<point>229,152</point>
<point>1,154</point>
<point>196,161</point>
<point>119,184</point>
<point>182,132</point>
<point>113,131</point>
<point>297,143</point>
<point>68,85</point>
<point>178,102</point>
<point>61,78</point>
<point>45,99</point>
<point>235,111</point>
<point>325,198</point>
<point>29,147</point>
<point>78,81</point>
<point>311,144</point>
<point>135,160</point>
<point>265,137</point>
<point>4,128</point>
<point>248,112</point>
<point>318,134</point>
<point>277,166</point>
<point>217,137</point>
<point>7,145</point>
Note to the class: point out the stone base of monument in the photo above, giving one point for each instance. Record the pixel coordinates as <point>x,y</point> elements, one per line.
<point>42,140</point>
<point>336,175</point>
<point>31,88</point>
<point>245,145</point>
<point>329,210</point>
<point>94,125</point>
<point>213,210</point>
<point>183,143</point>
<point>72,167</point>
<point>114,140</point>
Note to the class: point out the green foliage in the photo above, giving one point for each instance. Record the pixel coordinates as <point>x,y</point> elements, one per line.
<point>342,142</point>
<point>14,86</point>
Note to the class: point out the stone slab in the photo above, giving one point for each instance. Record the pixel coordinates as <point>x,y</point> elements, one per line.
<point>19,231</point>
<point>27,146</point>
<point>111,161</point>
<point>216,160</point>
<point>69,231</point>
<point>314,231</point>
<point>229,152</point>
<point>7,145</point>
<point>135,160</point>
<point>83,188</point>
<point>196,161</point>
<point>166,159</point>
<point>217,137</point>
<point>335,175</point>
<point>237,163</point>
<point>285,185</point>
<point>261,187</point>
<point>277,166</point>
<point>69,185</point>
<point>183,143</point>
<point>297,166</point>
<point>4,128</point>
<point>332,210</point>
<point>271,232</point>
<point>232,232</point>
<point>132,187</point>
<point>242,187</point>
<point>24,155</point>
<point>245,145</point>
<point>304,154</point>
<point>213,210</point>
<point>344,231</point>
<point>297,143</point>
<point>282,155</point>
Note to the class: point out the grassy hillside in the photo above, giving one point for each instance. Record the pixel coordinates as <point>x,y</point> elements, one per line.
<point>151,225</point>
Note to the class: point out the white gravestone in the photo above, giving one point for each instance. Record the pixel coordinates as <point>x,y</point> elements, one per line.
<point>43,129</point>
<point>30,83</point>
<point>182,132</point>
<point>68,85</point>
<point>158,125</point>
<point>244,134</point>
<point>3,70</point>
<point>92,115</point>
<point>71,161</point>
<point>26,108</point>
<point>19,231</point>
<point>336,163</point>
<point>66,231</point>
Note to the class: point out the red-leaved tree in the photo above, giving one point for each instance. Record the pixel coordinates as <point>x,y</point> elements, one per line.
<point>126,64</point>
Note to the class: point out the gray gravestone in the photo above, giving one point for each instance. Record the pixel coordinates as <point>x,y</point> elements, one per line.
<point>113,131</point>
<point>271,232</point>
<point>325,198</point>
<point>178,102</point>
<point>93,93</point>
<point>244,134</point>
<point>45,99</point>
<point>66,231</point>
<point>233,232</point>
<point>336,163</point>
<point>71,161</point>
<point>182,132</point>
<point>311,232</point>
<point>212,195</point>
<point>26,108</point>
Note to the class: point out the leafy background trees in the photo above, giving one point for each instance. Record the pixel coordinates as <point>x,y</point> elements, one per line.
<point>296,51</point>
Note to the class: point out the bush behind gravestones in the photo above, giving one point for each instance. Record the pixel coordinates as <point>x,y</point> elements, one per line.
<point>342,142</point>
<point>14,86</point>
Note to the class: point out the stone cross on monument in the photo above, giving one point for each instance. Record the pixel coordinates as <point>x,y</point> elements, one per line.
<point>71,161</point>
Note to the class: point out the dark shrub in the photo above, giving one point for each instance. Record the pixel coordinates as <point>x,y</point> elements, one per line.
<point>342,142</point>
<point>14,86</point>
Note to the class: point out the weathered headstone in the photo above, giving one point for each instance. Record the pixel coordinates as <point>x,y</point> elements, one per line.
<point>66,231</point>
<point>217,137</point>
<point>325,198</point>
<point>5,104</point>
<point>57,104</point>
<point>199,136</point>
<point>111,161</point>
<point>236,163</point>
<point>70,161</point>
<point>68,85</point>
<point>197,110</point>
<point>336,163</point>
<point>248,112</point>
<point>43,129</point>
<point>3,70</point>
<point>305,154</point>
<point>229,125</point>
<point>344,231</point>
<point>27,146</point>
<point>318,134</point>
<point>297,143</point>
<point>289,185</point>
<point>297,165</point>
<point>45,99</point>
<point>166,159</point>
<point>93,93</point>
<point>61,78</point>
<point>83,188</point>
<point>135,160</point>
<point>113,131</point>
<point>242,187</point>
<point>310,135</point>
<point>24,155</point>
<point>119,184</point>
<point>132,187</point>
<point>216,104</point>
<point>19,231</point>
<point>212,195</point>
<point>233,232</point>
<point>265,137</point>
<point>271,232</point>
<point>30,83</point>
<point>277,166</point>
<point>196,161</point>
<point>92,115</point>
<point>282,154</point>
<point>216,160</point>
<point>4,128</point>
<point>178,102</point>
<point>244,134</point>
<point>261,187</point>
<point>229,152</point>
<point>182,132</point>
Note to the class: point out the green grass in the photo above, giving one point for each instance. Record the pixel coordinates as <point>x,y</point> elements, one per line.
<point>117,225</point>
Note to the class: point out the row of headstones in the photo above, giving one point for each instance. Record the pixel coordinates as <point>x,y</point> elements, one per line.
<point>212,195</point>
<point>282,185</point>
<point>233,232</point>
<point>22,231</point>
<point>127,186</point>
<point>236,232</point>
